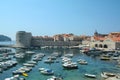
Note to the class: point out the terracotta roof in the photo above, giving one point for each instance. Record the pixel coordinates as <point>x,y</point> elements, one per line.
<point>116,39</point>
<point>99,38</point>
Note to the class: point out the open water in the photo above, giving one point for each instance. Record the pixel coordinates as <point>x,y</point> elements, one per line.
<point>95,66</point>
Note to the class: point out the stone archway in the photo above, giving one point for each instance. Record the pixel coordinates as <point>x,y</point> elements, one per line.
<point>96,45</point>
<point>105,46</point>
<point>100,45</point>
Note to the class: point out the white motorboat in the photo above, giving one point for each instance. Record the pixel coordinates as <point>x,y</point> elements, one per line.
<point>30,52</point>
<point>29,65</point>
<point>15,77</point>
<point>83,62</point>
<point>90,75</point>
<point>19,55</point>
<point>68,55</point>
<point>49,61</point>
<point>46,71</point>
<point>32,62</point>
<point>55,78</point>
<point>26,69</point>
<point>16,72</point>
<point>70,65</point>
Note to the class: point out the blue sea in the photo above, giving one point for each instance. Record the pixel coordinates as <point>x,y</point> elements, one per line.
<point>95,66</point>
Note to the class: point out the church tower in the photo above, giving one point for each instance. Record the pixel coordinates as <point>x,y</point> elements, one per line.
<point>96,33</point>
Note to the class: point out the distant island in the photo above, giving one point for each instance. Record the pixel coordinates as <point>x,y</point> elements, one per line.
<point>4,38</point>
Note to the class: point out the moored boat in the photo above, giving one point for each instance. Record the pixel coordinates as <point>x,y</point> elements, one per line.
<point>70,65</point>
<point>107,74</point>
<point>25,74</point>
<point>46,71</point>
<point>90,75</point>
<point>83,62</point>
<point>15,77</point>
<point>55,78</point>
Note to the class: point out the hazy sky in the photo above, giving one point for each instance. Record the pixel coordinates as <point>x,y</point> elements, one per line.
<point>49,17</point>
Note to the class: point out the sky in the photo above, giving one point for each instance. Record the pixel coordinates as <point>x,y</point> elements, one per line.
<point>50,17</point>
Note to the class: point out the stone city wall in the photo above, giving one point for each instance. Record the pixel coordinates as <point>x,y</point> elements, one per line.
<point>25,40</point>
<point>38,43</point>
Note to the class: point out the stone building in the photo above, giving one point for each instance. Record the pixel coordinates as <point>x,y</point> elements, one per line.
<point>106,42</point>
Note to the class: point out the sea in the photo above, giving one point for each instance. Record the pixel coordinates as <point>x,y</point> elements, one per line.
<point>95,65</point>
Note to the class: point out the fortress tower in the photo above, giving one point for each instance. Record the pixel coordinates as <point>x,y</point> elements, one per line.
<point>23,39</point>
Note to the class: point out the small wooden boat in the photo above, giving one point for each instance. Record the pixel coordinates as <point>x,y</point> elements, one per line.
<point>107,74</point>
<point>25,74</point>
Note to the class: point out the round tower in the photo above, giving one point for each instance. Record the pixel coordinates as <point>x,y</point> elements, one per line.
<point>23,39</point>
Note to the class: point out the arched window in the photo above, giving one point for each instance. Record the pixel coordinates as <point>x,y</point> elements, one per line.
<point>105,46</point>
<point>96,45</point>
<point>100,45</point>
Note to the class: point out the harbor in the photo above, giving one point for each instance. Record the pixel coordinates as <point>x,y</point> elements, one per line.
<point>68,64</point>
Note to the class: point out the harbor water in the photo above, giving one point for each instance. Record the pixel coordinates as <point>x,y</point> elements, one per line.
<point>95,66</point>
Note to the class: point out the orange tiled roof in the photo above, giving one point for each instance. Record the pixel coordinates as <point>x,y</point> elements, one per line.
<point>66,35</point>
<point>99,38</point>
<point>116,39</point>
